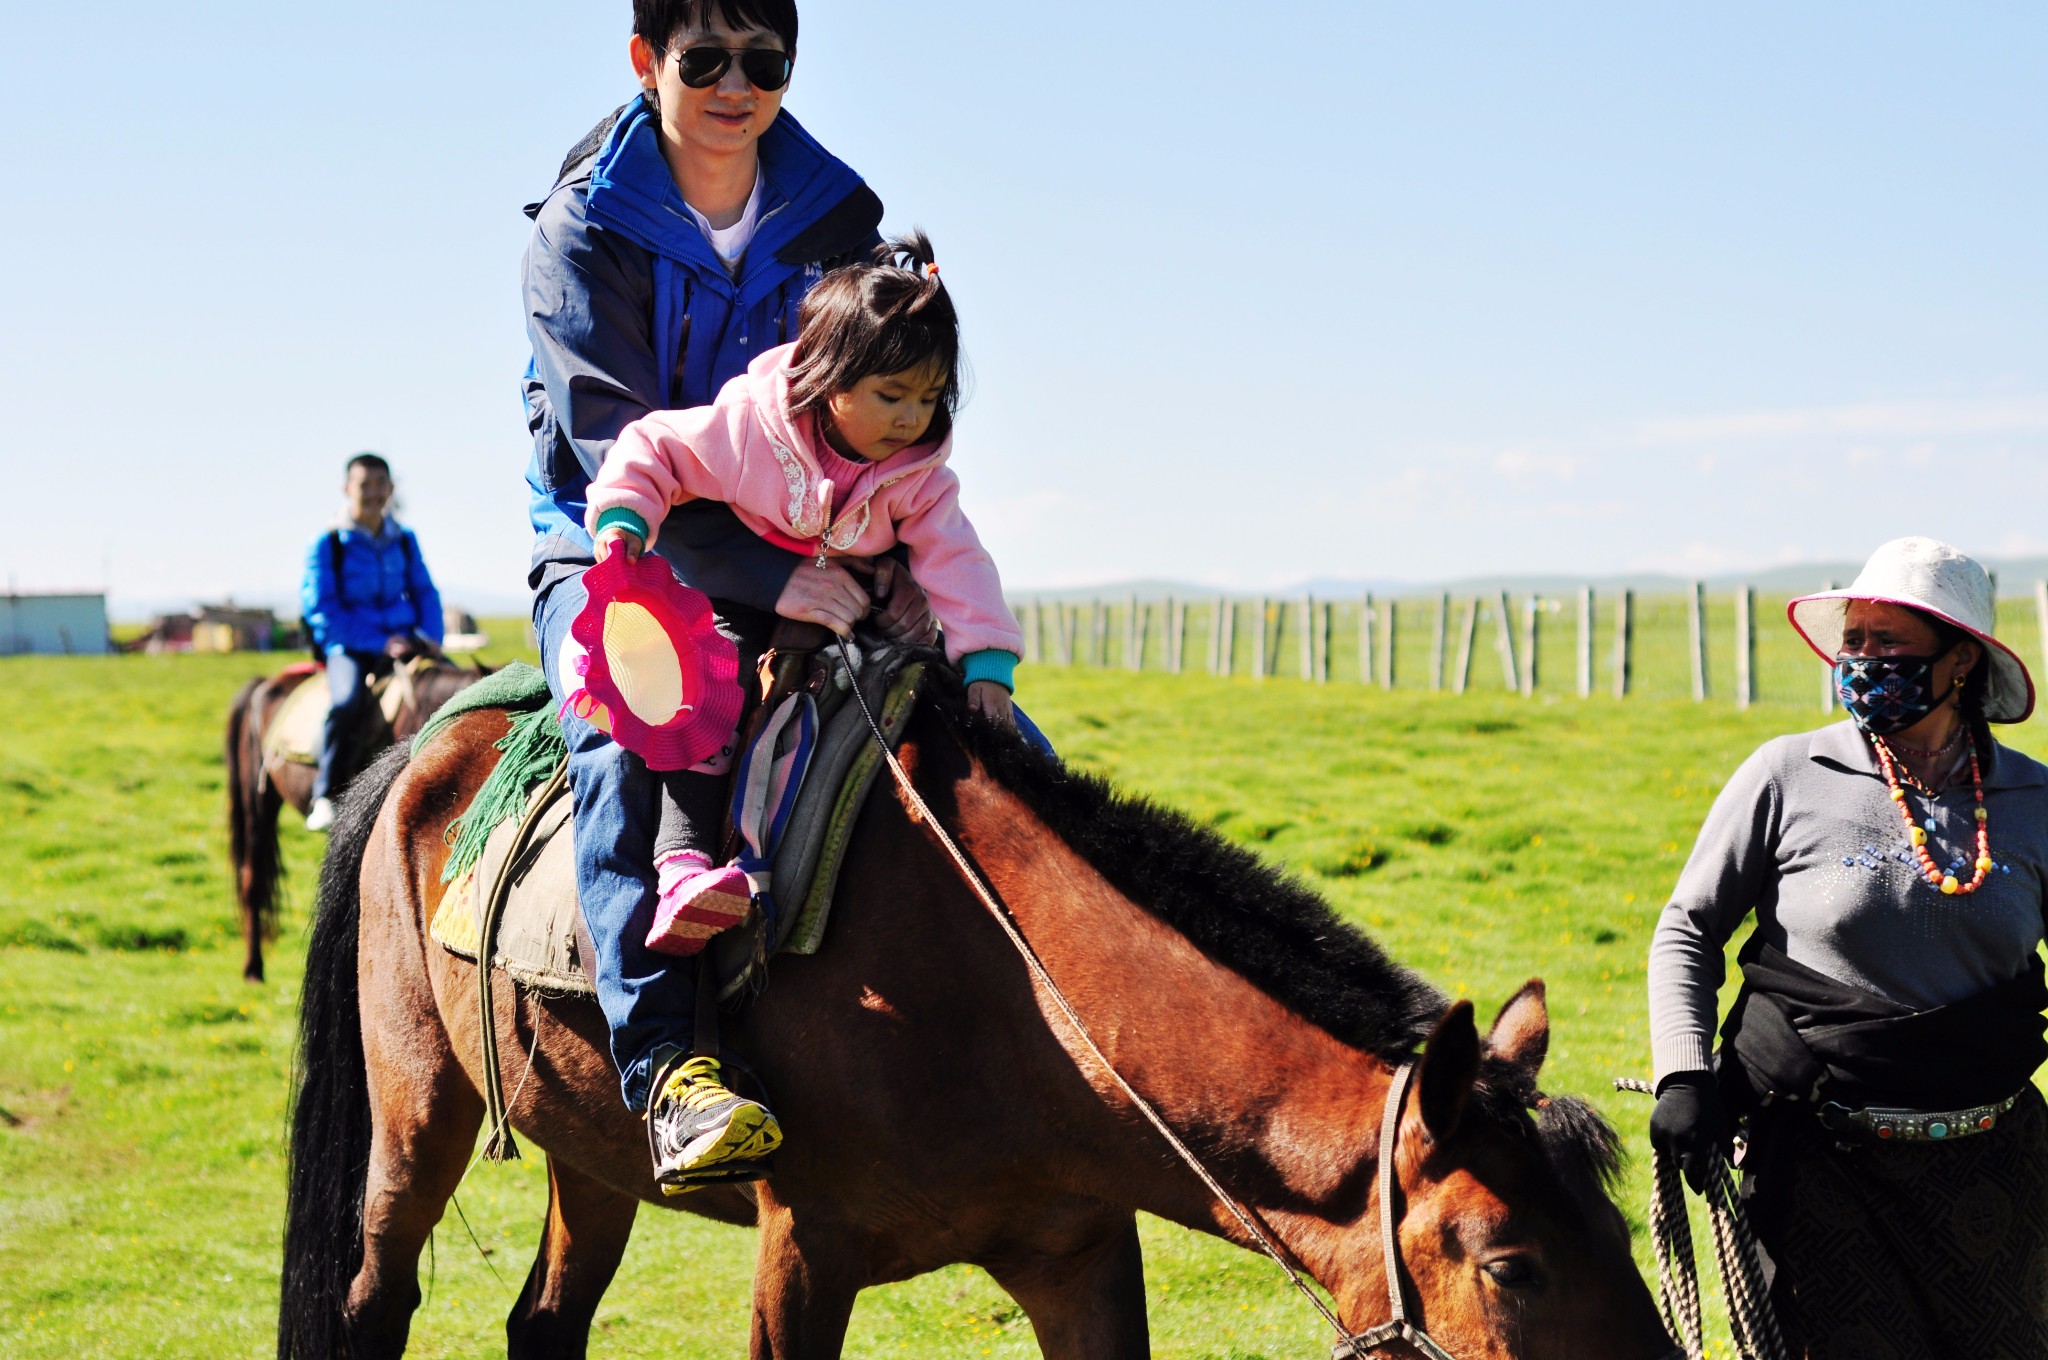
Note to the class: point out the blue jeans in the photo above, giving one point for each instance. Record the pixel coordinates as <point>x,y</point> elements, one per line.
<point>649,999</point>
<point>348,691</point>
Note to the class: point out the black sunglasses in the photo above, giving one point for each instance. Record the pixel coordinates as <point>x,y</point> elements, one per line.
<point>764,67</point>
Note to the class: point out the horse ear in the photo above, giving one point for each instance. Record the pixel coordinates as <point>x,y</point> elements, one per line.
<point>1521,1032</point>
<point>1450,1064</point>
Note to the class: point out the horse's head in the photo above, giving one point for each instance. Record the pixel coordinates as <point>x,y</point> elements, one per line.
<point>1510,1242</point>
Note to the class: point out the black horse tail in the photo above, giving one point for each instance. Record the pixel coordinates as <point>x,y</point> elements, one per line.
<point>329,1164</point>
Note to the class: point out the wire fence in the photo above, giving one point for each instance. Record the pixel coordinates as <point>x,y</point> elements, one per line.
<point>1723,646</point>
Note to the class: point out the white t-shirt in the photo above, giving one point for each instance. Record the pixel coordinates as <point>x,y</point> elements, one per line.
<point>730,243</point>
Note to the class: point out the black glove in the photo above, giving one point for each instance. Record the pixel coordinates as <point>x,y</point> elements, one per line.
<point>1691,1124</point>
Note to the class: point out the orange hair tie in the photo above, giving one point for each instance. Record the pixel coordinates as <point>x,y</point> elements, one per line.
<point>931,271</point>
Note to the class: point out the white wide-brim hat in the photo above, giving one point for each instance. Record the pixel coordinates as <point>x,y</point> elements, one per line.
<point>1928,575</point>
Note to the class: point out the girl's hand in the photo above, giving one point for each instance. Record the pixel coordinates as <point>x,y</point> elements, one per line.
<point>992,701</point>
<point>620,539</point>
<point>828,595</point>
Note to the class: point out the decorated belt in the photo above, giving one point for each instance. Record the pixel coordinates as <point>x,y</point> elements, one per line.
<point>1882,1125</point>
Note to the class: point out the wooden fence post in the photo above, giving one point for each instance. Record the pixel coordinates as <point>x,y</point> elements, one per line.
<point>1393,613</point>
<point>1134,634</point>
<point>1463,672</point>
<point>1745,646</point>
<point>1219,638</point>
<point>1326,615</point>
<point>1827,676</point>
<point>1176,632</point>
<point>1696,637</point>
<point>1308,637</point>
<point>1098,628</point>
<point>1585,642</point>
<point>1438,635</point>
<point>1367,621</point>
<point>1531,607</point>
<point>1504,641</point>
<point>1624,641</point>
<point>1259,641</point>
<point>2041,617</point>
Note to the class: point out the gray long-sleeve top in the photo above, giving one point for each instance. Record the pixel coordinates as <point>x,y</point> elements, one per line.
<point>1806,835</point>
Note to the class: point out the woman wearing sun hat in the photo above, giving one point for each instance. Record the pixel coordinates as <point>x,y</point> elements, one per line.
<point>1879,1058</point>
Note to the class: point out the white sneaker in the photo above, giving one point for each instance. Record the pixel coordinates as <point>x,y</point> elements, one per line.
<point>322,815</point>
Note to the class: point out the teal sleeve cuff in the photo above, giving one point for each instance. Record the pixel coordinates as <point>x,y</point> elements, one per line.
<point>992,664</point>
<point>623,518</point>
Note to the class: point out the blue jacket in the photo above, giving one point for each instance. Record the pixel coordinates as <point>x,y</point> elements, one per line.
<point>383,590</point>
<point>629,311</point>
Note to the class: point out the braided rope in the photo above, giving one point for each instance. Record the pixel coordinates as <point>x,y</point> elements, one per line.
<point>1750,1317</point>
<point>1036,967</point>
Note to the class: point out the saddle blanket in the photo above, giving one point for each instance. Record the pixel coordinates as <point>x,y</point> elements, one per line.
<point>295,734</point>
<point>542,942</point>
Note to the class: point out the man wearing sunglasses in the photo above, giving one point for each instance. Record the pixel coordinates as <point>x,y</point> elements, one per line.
<point>676,245</point>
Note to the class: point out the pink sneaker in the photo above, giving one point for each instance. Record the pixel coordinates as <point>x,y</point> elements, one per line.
<point>697,901</point>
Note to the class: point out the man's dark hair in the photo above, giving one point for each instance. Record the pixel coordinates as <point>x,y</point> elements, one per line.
<point>865,320</point>
<point>656,21</point>
<point>372,461</point>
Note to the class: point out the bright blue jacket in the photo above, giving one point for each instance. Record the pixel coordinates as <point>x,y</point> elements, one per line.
<point>629,311</point>
<point>383,590</point>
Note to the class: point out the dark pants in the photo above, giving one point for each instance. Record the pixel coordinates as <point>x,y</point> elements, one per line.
<point>348,691</point>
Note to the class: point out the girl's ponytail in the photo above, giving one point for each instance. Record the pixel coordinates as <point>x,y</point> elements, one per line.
<point>913,254</point>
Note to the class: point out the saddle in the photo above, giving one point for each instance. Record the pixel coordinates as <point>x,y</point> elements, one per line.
<point>807,761</point>
<point>294,735</point>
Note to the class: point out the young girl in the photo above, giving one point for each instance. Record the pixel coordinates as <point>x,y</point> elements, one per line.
<point>835,446</point>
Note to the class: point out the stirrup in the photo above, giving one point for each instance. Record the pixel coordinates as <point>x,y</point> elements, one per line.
<point>727,1174</point>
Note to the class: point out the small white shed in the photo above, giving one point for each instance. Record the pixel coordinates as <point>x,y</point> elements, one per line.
<point>62,625</point>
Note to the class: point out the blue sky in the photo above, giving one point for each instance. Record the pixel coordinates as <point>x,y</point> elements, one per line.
<point>1363,291</point>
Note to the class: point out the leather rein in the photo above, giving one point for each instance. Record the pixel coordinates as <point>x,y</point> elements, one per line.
<point>1397,1330</point>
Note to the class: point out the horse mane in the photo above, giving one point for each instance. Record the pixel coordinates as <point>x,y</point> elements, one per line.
<point>1243,913</point>
<point>1276,933</point>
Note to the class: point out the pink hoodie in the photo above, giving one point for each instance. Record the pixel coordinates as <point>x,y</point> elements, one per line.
<point>745,450</point>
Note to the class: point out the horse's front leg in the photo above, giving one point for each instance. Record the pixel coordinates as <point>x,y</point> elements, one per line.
<point>805,1280</point>
<point>1084,1293</point>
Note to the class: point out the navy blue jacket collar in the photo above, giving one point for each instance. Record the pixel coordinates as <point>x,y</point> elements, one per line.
<point>632,192</point>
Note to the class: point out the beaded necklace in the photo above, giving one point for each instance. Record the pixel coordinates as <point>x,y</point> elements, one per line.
<point>1929,870</point>
<point>1962,730</point>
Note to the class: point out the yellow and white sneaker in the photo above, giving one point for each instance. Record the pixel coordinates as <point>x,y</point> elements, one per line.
<point>700,1133</point>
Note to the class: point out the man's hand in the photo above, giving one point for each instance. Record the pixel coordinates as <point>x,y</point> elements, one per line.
<point>399,647</point>
<point>992,701</point>
<point>618,538</point>
<point>905,614</point>
<point>829,595</point>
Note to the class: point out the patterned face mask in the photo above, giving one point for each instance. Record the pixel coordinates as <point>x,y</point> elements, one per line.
<point>1886,694</point>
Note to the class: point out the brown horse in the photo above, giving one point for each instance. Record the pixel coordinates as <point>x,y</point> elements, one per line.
<point>937,1107</point>
<point>258,787</point>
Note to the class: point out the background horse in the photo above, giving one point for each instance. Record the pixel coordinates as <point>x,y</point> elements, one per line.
<point>258,787</point>
<point>937,1108</point>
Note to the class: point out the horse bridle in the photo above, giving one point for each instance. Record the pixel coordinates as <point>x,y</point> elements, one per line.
<point>1397,1327</point>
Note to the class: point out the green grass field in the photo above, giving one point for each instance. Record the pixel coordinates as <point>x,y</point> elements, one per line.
<point>1483,839</point>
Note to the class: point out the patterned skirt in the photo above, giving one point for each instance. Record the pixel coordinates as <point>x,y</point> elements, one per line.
<point>1908,1251</point>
